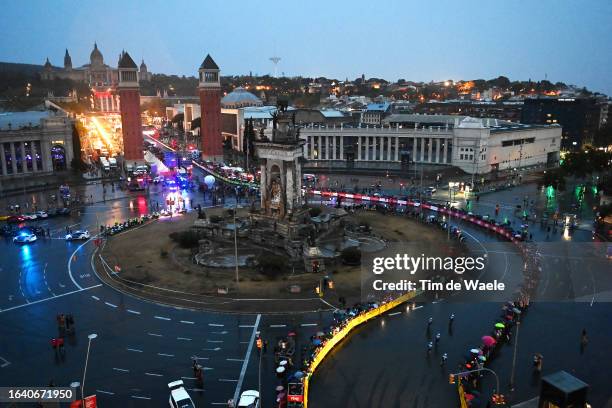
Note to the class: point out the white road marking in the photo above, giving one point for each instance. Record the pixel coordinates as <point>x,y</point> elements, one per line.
<point>134,350</point>
<point>215,325</point>
<point>215,349</point>
<point>199,358</point>
<point>394,314</point>
<point>154,374</point>
<point>308,324</point>
<point>226,380</point>
<point>123,370</point>
<point>221,332</point>
<point>5,362</point>
<point>235,359</point>
<point>105,392</point>
<point>188,378</point>
<point>95,297</point>
<point>202,390</point>
<point>214,341</point>
<point>133,311</point>
<point>140,397</point>
<point>246,358</point>
<point>155,335</point>
<point>110,304</point>
<point>183,338</point>
<point>187,322</point>
<point>162,318</point>
<point>70,263</point>
<point>278,325</point>
<point>165,355</point>
<point>249,326</point>
<point>49,298</point>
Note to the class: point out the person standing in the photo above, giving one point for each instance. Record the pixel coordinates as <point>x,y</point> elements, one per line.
<point>584,340</point>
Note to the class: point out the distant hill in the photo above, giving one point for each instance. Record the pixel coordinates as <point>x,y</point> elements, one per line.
<point>11,68</point>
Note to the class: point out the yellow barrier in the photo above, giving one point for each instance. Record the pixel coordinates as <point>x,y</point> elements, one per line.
<point>339,336</point>
<point>462,400</point>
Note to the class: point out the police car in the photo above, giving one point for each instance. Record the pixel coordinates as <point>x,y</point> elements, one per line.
<point>75,235</point>
<point>24,238</point>
<point>178,396</point>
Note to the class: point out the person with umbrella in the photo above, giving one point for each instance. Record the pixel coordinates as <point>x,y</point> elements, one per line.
<point>443,360</point>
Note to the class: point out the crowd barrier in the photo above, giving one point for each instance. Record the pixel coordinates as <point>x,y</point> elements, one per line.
<point>340,335</point>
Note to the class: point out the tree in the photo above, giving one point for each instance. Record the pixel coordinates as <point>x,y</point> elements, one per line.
<point>77,163</point>
<point>248,144</point>
<point>555,179</point>
<point>351,256</point>
<point>271,265</point>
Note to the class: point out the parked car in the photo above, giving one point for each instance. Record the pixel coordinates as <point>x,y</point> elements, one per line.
<point>24,238</point>
<point>30,216</point>
<point>42,214</point>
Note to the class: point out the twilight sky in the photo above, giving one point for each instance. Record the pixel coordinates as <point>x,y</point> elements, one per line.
<point>569,40</point>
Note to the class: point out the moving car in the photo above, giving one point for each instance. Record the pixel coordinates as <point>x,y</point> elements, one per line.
<point>76,235</point>
<point>15,219</point>
<point>249,399</point>
<point>42,214</point>
<point>30,216</point>
<point>179,398</point>
<point>24,238</point>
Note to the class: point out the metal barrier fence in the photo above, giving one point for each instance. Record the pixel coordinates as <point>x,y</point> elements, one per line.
<point>340,335</point>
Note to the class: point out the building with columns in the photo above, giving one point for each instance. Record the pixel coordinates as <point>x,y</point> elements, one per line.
<point>209,88</point>
<point>33,144</point>
<point>474,145</point>
<point>131,121</point>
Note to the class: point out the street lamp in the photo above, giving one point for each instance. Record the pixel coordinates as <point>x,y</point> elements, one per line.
<point>451,185</point>
<point>236,237</point>
<point>90,337</point>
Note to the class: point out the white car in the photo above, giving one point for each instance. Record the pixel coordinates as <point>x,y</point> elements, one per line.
<point>179,398</point>
<point>42,214</point>
<point>30,216</point>
<point>76,235</point>
<point>249,399</point>
<point>24,238</point>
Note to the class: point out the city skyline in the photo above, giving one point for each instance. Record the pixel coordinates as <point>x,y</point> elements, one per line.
<point>413,42</point>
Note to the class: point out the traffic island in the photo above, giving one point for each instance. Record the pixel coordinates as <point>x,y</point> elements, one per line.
<point>165,268</point>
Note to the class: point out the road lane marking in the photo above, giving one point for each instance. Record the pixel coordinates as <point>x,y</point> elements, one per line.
<point>5,362</point>
<point>95,297</point>
<point>417,307</point>
<point>141,397</point>
<point>214,341</point>
<point>105,392</point>
<point>221,332</point>
<point>187,322</point>
<point>154,374</point>
<point>49,298</point>
<point>308,324</point>
<point>162,318</point>
<point>278,325</point>
<point>165,355</point>
<point>133,311</point>
<point>235,359</point>
<point>188,378</point>
<point>134,350</point>
<point>226,380</point>
<point>183,338</point>
<point>209,349</point>
<point>155,335</point>
<point>215,325</point>
<point>246,358</point>
<point>123,370</point>
<point>110,304</point>
<point>246,326</point>
<point>394,314</point>
<point>70,263</point>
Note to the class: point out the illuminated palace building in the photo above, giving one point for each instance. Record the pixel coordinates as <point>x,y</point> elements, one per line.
<point>475,145</point>
<point>33,144</point>
<point>101,78</point>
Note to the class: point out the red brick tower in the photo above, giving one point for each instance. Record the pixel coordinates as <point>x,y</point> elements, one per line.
<point>210,105</point>
<point>129,100</point>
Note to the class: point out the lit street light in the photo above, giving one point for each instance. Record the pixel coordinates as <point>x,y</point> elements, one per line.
<point>90,337</point>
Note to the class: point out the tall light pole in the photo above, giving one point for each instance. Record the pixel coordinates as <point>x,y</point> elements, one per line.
<point>90,337</point>
<point>236,237</point>
<point>451,185</point>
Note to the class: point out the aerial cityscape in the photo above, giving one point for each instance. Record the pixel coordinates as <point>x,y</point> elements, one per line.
<point>287,205</point>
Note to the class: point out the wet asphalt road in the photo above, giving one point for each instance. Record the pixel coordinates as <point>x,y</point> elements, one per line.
<point>142,346</point>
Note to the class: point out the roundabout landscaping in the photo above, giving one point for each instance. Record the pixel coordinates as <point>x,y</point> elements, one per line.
<point>164,271</point>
